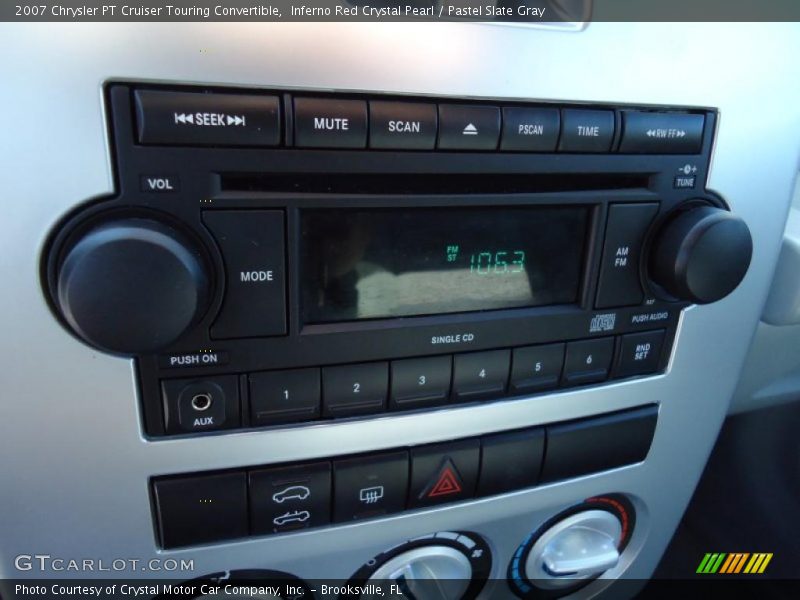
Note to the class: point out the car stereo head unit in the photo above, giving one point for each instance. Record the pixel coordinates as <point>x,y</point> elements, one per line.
<point>275,257</point>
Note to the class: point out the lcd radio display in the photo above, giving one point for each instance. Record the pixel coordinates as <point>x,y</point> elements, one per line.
<point>383,263</point>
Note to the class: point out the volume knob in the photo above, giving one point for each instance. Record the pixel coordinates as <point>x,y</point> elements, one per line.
<point>131,286</point>
<point>701,254</point>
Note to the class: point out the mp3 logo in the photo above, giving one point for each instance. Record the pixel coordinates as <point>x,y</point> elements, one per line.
<point>603,322</point>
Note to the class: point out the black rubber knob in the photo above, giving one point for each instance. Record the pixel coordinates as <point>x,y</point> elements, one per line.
<point>701,255</point>
<point>132,286</point>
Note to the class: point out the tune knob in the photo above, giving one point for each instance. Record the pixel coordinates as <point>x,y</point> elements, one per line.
<point>131,286</point>
<point>701,254</point>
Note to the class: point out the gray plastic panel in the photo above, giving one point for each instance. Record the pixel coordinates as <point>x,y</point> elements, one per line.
<point>75,469</point>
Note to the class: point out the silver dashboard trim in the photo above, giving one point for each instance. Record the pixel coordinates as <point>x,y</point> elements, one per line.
<point>76,465</point>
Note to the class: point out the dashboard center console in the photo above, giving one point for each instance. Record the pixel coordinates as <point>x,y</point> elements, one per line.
<point>275,258</point>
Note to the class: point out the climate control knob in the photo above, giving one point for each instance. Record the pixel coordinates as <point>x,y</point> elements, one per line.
<point>444,566</point>
<point>131,286</point>
<point>573,548</point>
<point>701,254</point>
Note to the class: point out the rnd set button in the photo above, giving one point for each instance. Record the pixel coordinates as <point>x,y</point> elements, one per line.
<point>252,245</point>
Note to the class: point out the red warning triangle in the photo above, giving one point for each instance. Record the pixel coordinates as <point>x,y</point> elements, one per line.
<point>447,483</point>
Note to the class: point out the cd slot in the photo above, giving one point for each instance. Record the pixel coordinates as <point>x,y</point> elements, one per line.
<point>462,183</point>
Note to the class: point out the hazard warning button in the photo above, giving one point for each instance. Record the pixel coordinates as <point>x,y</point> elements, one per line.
<point>444,473</point>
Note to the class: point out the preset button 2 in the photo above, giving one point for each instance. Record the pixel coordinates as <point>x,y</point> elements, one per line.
<point>284,396</point>
<point>355,389</point>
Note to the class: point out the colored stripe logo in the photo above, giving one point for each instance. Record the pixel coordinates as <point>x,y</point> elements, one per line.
<point>734,562</point>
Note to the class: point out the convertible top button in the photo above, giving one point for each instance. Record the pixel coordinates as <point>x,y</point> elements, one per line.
<point>289,498</point>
